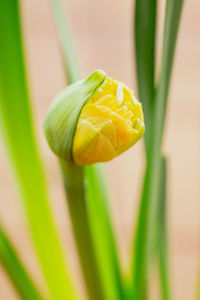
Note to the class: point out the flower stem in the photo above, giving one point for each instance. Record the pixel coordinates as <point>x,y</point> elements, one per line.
<point>150,192</point>
<point>161,230</point>
<point>77,204</point>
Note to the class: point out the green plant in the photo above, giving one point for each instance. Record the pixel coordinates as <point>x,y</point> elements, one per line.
<point>87,197</point>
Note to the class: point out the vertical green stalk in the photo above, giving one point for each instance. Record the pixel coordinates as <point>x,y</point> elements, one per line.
<point>98,220</point>
<point>145,36</point>
<point>161,226</point>
<point>74,187</point>
<point>150,196</point>
<point>18,133</point>
<point>103,235</point>
<point>18,275</point>
<point>68,51</point>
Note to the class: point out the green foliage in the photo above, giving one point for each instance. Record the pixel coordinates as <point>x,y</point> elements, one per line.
<point>18,133</point>
<point>162,241</point>
<point>150,193</point>
<point>74,187</point>
<point>16,271</point>
<point>103,235</point>
<point>85,188</point>
<point>145,37</point>
<point>68,51</point>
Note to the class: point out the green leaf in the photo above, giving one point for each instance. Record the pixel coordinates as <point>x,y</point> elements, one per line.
<point>18,133</point>
<point>161,227</point>
<point>68,51</point>
<point>102,231</point>
<point>172,19</point>
<point>16,271</point>
<point>145,35</point>
<point>150,191</point>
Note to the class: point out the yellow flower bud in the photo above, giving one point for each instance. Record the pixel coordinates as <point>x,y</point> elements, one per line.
<point>94,120</point>
<point>110,122</point>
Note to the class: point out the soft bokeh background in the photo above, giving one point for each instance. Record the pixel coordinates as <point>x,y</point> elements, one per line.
<point>103,37</point>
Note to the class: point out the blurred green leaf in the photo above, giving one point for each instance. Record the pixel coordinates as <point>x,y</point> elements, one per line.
<point>145,36</point>
<point>161,228</point>
<point>102,231</point>
<point>68,51</point>
<point>150,191</point>
<point>18,133</point>
<point>16,271</point>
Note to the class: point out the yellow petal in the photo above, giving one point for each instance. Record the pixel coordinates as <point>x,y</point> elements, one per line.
<point>110,123</point>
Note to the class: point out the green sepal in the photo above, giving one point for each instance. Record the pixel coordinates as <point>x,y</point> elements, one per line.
<point>62,117</point>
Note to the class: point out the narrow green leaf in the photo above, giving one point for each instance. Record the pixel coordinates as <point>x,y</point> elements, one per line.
<point>17,128</point>
<point>145,35</point>
<point>68,51</point>
<point>150,194</point>
<point>92,172</point>
<point>172,19</point>
<point>103,235</point>
<point>16,271</point>
<point>161,227</point>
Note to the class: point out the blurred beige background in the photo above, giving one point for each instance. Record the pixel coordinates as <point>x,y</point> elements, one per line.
<point>103,37</point>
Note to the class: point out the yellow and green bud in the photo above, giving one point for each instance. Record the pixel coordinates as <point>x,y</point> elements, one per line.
<point>94,120</point>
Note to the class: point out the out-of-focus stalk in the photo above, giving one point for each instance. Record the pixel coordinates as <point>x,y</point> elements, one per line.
<point>101,228</point>
<point>145,36</point>
<point>68,51</point>
<point>161,231</point>
<point>19,137</point>
<point>16,271</point>
<point>150,193</point>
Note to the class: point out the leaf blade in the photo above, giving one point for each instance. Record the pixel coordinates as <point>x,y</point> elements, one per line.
<point>149,198</point>
<point>145,36</point>
<point>162,233</point>
<point>19,136</point>
<point>16,271</point>
<point>103,235</point>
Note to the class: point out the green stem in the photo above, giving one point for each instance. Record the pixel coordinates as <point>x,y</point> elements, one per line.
<point>145,36</point>
<point>150,193</point>
<point>143,238</point>
<point>161,227</point>
<point>103,235</point>
<point>77,203</point>
<point>16,271</point>
<point>68,51</point>
<point>19,136</point>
